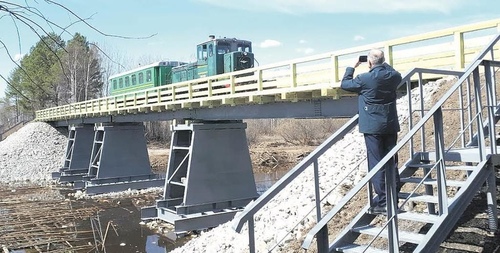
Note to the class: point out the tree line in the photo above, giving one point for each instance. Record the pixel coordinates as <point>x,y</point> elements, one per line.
<point>54,72</point>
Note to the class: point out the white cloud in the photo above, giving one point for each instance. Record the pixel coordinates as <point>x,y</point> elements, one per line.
<point>358,38</point>
<point>340,6</point>
<point>270,43</point>
<point>305,50</point>
<point>302,41</point>
<point>18,57</point>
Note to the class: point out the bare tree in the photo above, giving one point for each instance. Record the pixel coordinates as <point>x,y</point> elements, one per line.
<point>27,15</point>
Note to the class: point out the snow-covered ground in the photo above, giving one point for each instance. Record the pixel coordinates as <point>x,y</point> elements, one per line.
<point>32,153</point>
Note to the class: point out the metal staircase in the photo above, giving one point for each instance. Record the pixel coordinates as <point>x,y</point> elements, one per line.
<point>430,177</point>
<point>439,178</point>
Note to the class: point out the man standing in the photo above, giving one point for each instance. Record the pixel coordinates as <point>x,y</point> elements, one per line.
<point>378,117</point>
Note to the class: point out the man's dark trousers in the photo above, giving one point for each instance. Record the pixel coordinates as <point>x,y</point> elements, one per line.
<point>377,146</point>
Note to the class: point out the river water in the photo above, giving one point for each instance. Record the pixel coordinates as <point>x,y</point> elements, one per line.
<point>132,237</point>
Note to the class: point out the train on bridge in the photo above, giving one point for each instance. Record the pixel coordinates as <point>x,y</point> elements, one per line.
<point>215,56</point>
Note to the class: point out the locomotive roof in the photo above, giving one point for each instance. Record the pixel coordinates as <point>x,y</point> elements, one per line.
<point>155,64</point>
<point>227,40</point>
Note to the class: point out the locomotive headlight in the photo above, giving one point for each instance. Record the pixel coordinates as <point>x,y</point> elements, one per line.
<point>245,53</point>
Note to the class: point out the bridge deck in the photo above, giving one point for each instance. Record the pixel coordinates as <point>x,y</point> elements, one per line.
<point>312,78</point>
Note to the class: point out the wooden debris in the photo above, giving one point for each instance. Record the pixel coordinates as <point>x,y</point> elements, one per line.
<point>41,225</point>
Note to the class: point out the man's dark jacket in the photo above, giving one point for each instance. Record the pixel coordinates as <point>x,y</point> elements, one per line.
<point>377,98</point>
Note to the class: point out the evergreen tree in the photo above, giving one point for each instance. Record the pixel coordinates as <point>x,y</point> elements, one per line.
<point>35,82</point>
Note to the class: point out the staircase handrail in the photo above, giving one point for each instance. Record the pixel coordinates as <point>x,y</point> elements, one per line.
<point>247,215</point>
<point>468,71</point>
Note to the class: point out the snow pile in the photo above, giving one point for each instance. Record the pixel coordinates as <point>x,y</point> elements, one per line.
<point>285,212</point>
<point>32,154</point>
<point>122,194</point>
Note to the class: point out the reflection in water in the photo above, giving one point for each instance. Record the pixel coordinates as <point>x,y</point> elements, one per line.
<point>153,245</point>
<point>130,236</point>
<point>264,181</point>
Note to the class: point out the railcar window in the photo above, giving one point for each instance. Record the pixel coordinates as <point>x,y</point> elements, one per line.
<point>114,84</point>
<point>134,79</point>
<point>148,76</point>
<point>127,81</point>
<point>120,82</point>
<point>141,77</point>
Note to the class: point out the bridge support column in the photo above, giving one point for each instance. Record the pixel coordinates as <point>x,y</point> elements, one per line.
<point>119,160</point>
<point>209,176</point>
<point>78,150</point>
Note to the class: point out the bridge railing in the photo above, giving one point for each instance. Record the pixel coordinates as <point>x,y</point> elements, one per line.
<point>298,79</point>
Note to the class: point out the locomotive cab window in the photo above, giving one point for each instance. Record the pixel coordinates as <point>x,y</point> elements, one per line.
<point>244,49</point>
<point>114,84</point>
<point>141,78</point>
<point>223,48</point>
<point>134,79</point>
<point>127,81</point>
<point>148,76</point>
<point>210,50</point>
<point>120,82</point>
<point>202,52</point>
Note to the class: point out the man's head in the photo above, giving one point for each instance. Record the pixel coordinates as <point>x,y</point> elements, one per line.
<point>375,58</point>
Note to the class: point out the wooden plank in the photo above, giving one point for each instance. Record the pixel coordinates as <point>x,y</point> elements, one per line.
<point>262,99</point>
<point>210,103</point>
<point>190,105</point>
<point>234,101</point>
<point>296,96</point>
<point>173,107</point>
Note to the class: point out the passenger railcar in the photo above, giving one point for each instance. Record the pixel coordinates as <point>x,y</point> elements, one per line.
<point>152,75</point>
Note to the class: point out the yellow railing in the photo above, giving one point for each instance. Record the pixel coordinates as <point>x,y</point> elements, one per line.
<point>298,79</point>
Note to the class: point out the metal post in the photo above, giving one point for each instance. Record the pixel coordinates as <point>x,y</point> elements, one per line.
<point>461,106</point>
<point>441,174</point>
<point>322,237</point>
<point>251,234</point>
<point>322,240</point>
<point>491,198</point>
<point>469,109</point>
<point>479,119</point>
<point>491,106</point>
<point>316,190</point>
<point>392,206</point>
<point>422,112</point>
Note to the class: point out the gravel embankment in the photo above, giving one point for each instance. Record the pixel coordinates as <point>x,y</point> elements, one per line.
<point>31,154</point>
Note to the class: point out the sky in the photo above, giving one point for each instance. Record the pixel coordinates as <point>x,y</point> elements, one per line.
<point>279,29</point>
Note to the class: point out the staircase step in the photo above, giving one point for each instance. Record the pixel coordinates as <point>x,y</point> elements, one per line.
<point>448,167</point>
<point>404,236</point>
<point>460,167</point>
<point>421,165</point>
<point>418,217</point>
<point>418,197</point>
<point>177,183</point>
<point>356,248</point>
<point>180,147</point>
<point>431,181</point>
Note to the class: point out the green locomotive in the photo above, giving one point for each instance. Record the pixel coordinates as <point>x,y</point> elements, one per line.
<point>215,56</point>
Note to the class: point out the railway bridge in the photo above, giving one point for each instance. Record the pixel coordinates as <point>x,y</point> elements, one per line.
<point>209,176</point>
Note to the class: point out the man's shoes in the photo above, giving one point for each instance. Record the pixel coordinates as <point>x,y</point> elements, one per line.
<point>377,210</point>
